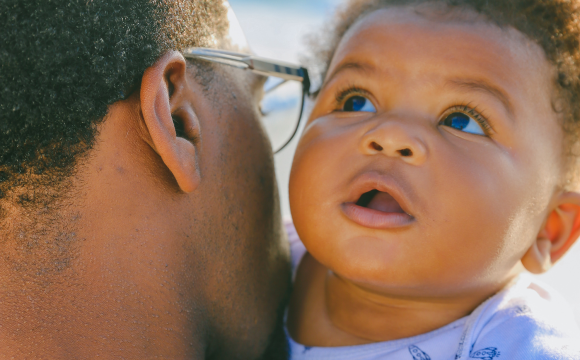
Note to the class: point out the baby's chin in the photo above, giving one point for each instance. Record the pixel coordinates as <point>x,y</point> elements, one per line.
<point>399,262</point>
<point>421,284</point>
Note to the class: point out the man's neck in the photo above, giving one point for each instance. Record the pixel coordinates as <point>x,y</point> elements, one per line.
<point>80,288</point>
<point>70,318</point>
<point>329,311</point>
<point>121,287</point>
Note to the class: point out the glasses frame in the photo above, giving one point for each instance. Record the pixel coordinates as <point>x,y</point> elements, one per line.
<point>260,66</point>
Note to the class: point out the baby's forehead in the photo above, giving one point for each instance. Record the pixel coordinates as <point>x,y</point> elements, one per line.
<point>404,41</point>
<point>440,26</point>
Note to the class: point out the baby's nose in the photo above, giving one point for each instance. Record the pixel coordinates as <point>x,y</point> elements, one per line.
<point>397,139</point>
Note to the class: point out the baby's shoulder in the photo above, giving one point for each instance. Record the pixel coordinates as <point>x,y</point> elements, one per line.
<point>532,323</point>
<point>526,337</point>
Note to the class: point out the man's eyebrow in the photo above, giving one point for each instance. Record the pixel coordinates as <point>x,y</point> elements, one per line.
<point>486,87</point>
<point>351,65</point>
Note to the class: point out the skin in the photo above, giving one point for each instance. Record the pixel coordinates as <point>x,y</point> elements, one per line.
<point>472,209</point>
<point>179,248</point>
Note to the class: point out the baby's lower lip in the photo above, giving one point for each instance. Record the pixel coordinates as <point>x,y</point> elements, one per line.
<point>376,219</point>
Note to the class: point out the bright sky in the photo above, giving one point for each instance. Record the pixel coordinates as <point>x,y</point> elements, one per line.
<point>276,29</point>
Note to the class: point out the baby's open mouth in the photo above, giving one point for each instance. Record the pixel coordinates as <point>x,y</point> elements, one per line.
<point>380,201</point>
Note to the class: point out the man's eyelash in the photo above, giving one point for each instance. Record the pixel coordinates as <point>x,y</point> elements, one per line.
<point>474,113</point>
<point>345,93</point>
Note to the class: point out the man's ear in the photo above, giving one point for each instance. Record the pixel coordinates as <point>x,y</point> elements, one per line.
<point>560,231</point>
<point>169,118</point>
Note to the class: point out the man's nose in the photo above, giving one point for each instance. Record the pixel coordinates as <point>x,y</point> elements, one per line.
<point>396,138</point>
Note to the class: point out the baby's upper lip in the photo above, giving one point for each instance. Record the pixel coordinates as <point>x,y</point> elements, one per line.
<point>375,181</point>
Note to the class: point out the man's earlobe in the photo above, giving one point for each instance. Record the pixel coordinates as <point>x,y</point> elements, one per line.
<point>170,120</point>
<point>559,233</point>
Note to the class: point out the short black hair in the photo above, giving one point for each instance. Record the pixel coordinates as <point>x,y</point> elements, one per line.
<point>63,62</point>
<point>552,24</point>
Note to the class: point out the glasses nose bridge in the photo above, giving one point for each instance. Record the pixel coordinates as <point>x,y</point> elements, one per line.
<point>397,135</point>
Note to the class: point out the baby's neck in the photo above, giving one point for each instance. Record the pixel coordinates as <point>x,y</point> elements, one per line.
<point>380,317</point>
<point>329,311</point>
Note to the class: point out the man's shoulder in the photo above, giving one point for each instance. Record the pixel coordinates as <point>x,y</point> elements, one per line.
<point>533,322</point>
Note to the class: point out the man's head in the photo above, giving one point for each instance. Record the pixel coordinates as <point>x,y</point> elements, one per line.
<point>64,62</point>
<point>140,212</point>
<point>449,117</point>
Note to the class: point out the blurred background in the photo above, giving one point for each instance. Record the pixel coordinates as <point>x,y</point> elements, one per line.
<point>277,29</point>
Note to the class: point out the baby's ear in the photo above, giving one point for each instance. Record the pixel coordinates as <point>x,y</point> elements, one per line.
<point>560,231</point>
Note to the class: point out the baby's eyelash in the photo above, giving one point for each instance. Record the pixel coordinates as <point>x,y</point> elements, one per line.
<point>346,92</point>
<point>468,109</point>
<point>472,111</point>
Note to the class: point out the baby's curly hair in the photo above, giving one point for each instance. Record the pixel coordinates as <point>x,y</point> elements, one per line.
<point>552,24</point>
<point>63,62</point>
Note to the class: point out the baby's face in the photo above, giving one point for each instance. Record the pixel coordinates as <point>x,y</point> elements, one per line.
<point>431,156</point>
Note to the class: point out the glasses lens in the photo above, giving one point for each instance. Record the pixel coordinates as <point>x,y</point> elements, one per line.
<point>235,40</point>
<point>281,109</point>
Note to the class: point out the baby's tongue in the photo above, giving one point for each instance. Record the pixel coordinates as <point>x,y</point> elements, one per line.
<point>384,202</point>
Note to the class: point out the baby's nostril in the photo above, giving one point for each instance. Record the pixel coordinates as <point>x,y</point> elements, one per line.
<point>376,146</point>
<point>406,152</point>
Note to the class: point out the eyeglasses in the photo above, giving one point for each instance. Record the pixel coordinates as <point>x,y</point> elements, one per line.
<point>285,90</point>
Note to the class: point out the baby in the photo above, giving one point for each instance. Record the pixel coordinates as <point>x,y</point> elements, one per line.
<point>438,164</point>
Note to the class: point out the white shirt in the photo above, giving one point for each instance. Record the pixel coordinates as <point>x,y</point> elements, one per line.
<point>526,321</point>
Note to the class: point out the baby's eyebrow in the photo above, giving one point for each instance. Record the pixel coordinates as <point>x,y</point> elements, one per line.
<point>483,86</point>
<point>350,65</point>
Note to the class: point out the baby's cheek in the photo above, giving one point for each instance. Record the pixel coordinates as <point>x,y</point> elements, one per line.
<point>487,193</point>
<point>308,187</point>
<point>319,184</point>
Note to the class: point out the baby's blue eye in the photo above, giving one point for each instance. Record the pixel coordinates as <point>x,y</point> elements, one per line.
<point>358,103</point>
<point>462,122</point>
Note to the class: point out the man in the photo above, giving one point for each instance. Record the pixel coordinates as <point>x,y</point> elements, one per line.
<point>139,211</point>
